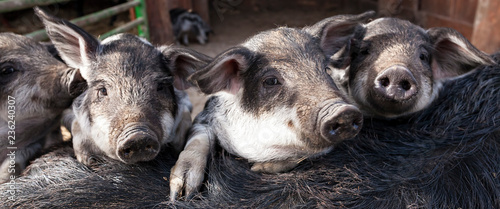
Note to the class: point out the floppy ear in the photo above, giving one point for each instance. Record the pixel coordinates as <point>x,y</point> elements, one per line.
<point>76,47</point>
<point>453,54</point>
<point>183,62</point>
<point>224,72</point>
<point>335,34</point>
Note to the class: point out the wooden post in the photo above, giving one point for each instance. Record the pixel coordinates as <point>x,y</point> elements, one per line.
<point>185,4</point>
<point>201,7</point>
<point>160,27</point>
<point>486,32</point>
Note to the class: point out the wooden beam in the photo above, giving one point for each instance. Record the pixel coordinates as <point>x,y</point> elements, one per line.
<point>201,7</point>
<point>485,35</point>
<point>185,4</point>
<point>160,26</point>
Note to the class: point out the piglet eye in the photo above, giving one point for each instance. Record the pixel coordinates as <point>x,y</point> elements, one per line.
<point>7,71</point>
<point>162,86</point>
<point>103,91</point>
<point>165,83</point>
<point>273,81</point>
<point>424,57</point>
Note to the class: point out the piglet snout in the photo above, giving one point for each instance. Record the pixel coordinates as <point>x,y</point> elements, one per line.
<point>396,83</point>
<point>137,143</point>
<point>339,122</point>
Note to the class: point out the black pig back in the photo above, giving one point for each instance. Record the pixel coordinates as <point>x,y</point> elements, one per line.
<point>447,156</point>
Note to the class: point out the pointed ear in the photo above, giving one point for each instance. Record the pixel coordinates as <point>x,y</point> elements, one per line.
<point>76,47</point>
<point>335,34</point>
<point>183,62</point>
<point>453,54</point>
<point>224,72</point>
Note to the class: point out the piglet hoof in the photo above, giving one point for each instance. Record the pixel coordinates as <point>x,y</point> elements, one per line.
<point>187,173</point>
<point>87,159</point>
<point>274,167</point>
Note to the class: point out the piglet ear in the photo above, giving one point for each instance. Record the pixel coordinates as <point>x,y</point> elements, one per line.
<point>224,72</point>
<point>453,54</point>
<point>76,47</point>
<point>74,82</point>
<point>335,34</point>
<point>183,62</point>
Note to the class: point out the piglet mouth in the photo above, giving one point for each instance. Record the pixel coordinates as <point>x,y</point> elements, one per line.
<point>137,143</point>
<point>392,105</point>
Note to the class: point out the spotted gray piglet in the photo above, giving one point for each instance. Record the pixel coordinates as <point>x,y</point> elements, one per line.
<point>391,67</point>
<point>133,104</point>
<point>35,88</point>
<point>187,24</point>
<point>272,103</point>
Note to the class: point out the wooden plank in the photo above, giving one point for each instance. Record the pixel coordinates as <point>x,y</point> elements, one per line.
<point>403,9</point>
<point>441,7</point>
<point>433,20</point>
<point>486,30</point>
<point>465,10</point>
<point>14,5</point>
<point>201,7</point>
<point>389,8</point>
<point>185,4</point>
<point>160,27</point>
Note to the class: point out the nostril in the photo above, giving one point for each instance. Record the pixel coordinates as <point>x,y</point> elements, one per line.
<point>406,85</point>
<point>385,82</point>
<point>138,147</point>
<point>355,125</point>
<point>334,128</point>
<point>341,123</point>
<point>127,152</point>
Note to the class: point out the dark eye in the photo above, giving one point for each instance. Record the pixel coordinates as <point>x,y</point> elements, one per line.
<point>424,57</point>
<point>165,83</point>
<point>162,86</point>
<point>102,91</point>
<point>7,71</point>
<point>364,51</point>
<point>273,81</point>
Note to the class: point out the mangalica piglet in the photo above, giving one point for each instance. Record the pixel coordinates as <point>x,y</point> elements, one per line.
<point>133,104</point>
<point>391,67</point>
<point>35,88</point>
<point>272,102</point>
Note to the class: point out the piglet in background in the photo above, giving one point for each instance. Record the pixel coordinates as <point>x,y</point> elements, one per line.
<point>187,24</point>
<point>35,89</point>
<point>391,67</point>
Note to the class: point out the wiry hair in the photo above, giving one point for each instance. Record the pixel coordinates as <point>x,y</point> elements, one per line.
<point>447,156</point>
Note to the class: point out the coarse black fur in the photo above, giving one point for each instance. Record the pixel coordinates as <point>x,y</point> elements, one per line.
<point>447,156</point>
<point>444,157</point>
